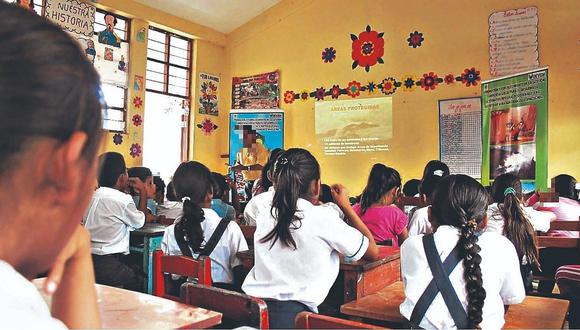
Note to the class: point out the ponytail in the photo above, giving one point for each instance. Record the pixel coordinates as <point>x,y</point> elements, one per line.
<point>381,180</point>
<point>294,172</point>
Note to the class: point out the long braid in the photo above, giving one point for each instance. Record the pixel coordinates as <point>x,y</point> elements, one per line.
<point>472,273</point>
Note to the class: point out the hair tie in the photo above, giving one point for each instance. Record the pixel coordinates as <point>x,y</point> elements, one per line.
<point>282,160</point>
<point>186,198</point>
<point>438,172</point>
<point>509,190</point>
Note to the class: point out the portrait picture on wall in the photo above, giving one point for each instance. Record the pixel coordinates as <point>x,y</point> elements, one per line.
<point>256,92</point>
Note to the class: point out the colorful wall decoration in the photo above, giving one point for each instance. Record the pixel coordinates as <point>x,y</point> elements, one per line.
<point>208,94</point>
<point>207,126</point>
<point>261,91</point>
<point>74,16</point>
<point>367,49</point>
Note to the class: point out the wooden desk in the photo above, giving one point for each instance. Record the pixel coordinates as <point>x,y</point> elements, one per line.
<point>145,241</point>
<point>121,308</point>
<point>383,306</point>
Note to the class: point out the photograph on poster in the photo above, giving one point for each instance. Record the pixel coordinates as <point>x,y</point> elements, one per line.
<point>513,125</point>
<point>517,159</point>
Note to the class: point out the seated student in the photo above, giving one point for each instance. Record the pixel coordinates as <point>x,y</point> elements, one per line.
<point>195,229</point>
<point>144,175</point>
<point>110,217</point>
<point>376,208</point>
<point>47,164</point>
<point>411,188</point>
<point>325,199</point>
<point>220,190</point>
<point>171,208</point>
<point>435,167</point>
<point>159,190</point>
<point>419,219</point>
<point>568,279</point>
<point>485,272</point>
<point>297,244</point>
<point>507,216</point>
<point>259,201</point>
<point>263,183</point>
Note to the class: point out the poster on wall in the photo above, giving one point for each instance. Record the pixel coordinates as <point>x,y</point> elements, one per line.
<point>515,126</point>
<point>208,94</point>
<point>460,135</point>
<point>261,91</point>
<point>253,134</point>
<point>74,16</point>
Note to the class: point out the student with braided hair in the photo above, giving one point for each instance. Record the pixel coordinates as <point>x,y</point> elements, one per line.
<point>459,277</point>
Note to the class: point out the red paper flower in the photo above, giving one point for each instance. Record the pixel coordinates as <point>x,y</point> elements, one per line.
<point>137,102</point>
<point>449,79</point>
<point>429,81</point>
<point>207,126</point>
<point>388,86</point>
<point>289,97</point>
<point>135,150</point>
<point>335,91</point>
<point>137,120</point>
<point>353,89</point>
<point>470,77</point>
<point>319,93</point>
<point>329,55</point>
<point>415,39</point>
<point>117,139</point>
<point>367,49</point>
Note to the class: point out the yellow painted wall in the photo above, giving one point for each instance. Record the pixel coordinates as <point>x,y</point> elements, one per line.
<point>291,36</point>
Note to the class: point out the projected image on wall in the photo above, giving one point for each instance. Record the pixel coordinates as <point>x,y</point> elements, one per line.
<point>354,126</point>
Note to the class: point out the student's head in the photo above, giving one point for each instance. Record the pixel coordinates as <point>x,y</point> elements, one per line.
<point>159,189</point>
<point>266,178</point>
<point>436,167</point>
<point>461,202</point>
<point>296,175</point>
<point>112,171</point>
<point>144,174</point>
<point>565,186</point>
<point>49,135</point>
<point>219,185</point>
<point>383,185</point>
<point>427,187</point>
<point>411,187</point>
<point>171,193</point>
<point>193,184</point>
<point>325,194</point>
<point>507,192</point>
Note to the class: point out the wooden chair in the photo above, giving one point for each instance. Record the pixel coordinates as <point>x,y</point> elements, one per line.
<point>405,202</point>
<point>248,232</point>
<point>178,265</point>
<point>308,320</point>
<point>238,309</point>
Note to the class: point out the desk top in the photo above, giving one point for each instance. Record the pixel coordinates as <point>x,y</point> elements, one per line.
<point>532,313</point>
<point>128,309</point>
<point>150,229</point>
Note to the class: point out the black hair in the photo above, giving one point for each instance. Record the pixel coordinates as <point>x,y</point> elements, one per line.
<point>436,167</point>
<point>219,184</point>
<point>517,226</point>
<point>114,18</point>
<point>294,171</point>
<point>171,193</point>
<point>460,201</point>
<point>411,187</point>
<point>111,166</point>
<point>428,185</point>
<point>381,180</point>
<point>159,184</point>
<point>192,182</point>
<point>140,172</point>
<point>48,88</point>
<point>265,182</point>
<point>325,194</point>
<point>565,186</point>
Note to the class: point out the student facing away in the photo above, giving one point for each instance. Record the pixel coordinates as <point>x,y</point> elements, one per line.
<point>220,189</point>
<point>419,218</point>
<point>49,136</point>
<point>297,244</point>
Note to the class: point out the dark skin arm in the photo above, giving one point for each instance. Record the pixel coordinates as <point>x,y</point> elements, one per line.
<point>139,187</point>
<point>240,167</point>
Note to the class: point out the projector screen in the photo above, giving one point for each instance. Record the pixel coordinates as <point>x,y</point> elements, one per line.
<point>354,126</point>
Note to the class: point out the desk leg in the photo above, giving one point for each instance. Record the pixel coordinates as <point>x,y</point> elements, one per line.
<point>150,244</point>
<point>352,289</point>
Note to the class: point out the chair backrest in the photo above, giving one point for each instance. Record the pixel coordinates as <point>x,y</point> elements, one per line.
<point>561,242</point>
<point>248,232</point>
<point>178,265</point>
<point>308,320</point>
<point>238,309</point>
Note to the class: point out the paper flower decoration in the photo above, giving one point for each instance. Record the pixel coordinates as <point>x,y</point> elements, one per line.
<point>371,87</point>
<point>408,83</point>
<point>208,91</point>
<point>388,86</point>
<point>470,77</point>
<point>415,39</point>
<point>329,55</point>
<point>117,139</point>
<point>207,126</point>
<point>135,150</point>
<point>429,81</point>
<point>304,95</point>
<point>449,79</point>
<point>319,93</point>
<point>335,91</point>
<point>367,49</point>
<point>353,89</point>
<point>137,102</point>
<point>289,97</point>
<point>137,120</point>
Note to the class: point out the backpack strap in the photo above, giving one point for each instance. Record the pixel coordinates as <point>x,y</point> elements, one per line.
<point>215,237</point>
<point>441,272</point>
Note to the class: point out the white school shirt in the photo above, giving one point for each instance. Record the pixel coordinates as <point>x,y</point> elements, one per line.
<point>539,220</point>
<point>257,204</point>
<point>500,270</point>
<point>419,222</point>
<point>21,305</point>
<point>223,258</point>
<point>304,274</point>
<point>171,210</point>
<point>111,216</point>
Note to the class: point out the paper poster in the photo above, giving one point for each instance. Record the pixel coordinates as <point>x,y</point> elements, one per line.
<point>74,16</point>
<point>515,115</point>
<point>460,135</point>
<point>354,126</point>
<point>111,62</point>
<point>513,41</point>
<point>138,83</point>
<point>253,134</point>
<point>256,92</point>
<point>208,94</point>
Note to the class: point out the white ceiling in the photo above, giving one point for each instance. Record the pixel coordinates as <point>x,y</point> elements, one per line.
<point>221,15</point>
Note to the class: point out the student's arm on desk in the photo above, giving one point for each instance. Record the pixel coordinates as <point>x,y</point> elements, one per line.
<point>340,196</point>
<point>139,186</point>
<point>71,281</point>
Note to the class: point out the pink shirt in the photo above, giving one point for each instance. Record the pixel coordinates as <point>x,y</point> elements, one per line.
<point>384,222</point>
<point>567,209</point>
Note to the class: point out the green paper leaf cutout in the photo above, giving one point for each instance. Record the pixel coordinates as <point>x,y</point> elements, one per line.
<point>380,60</point>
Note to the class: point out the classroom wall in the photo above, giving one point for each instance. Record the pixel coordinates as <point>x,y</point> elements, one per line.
<point>291,36</point>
